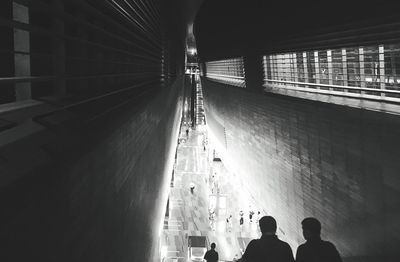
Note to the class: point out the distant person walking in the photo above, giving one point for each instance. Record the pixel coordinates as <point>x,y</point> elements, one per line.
<point>241,220</point>
<point>251,213</point>
<point>228,228</point>
<point>192,186</point>
<point>211,255</point>
<point>268,247</point>
<point>315,249</point>
<point>187,132</point>
<point>230,223</point>
<point>212,219</point>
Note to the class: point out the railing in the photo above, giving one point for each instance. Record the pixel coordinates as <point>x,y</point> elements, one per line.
<point>336,90</point>
<point>80,48</point>
<point>363,73</point>
<point>226,79</point>
<point>90,109</point>
<point>228,71</point>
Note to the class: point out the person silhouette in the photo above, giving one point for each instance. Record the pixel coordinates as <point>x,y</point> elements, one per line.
<point>268,247</point>
<point>192,186</point>
<point>230,223</point>
<point>251,213</point>
<point>211,255</point>
<point>315,249</point>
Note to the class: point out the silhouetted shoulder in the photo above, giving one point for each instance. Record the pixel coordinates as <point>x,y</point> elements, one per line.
<point>283,243</point>
<point>284,246</point>
<point>302,247</point>
<point>328,244</point>
<point>317,251</point>
<point>268,248</point>
<point>254,241</point>
<point>331,249</point>
<point>252,245</point>
<point>252,250</point>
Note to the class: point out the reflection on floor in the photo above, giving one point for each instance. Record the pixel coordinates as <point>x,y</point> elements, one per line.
<point>189,212</point>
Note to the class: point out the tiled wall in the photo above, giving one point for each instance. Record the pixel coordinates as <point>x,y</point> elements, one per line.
<point>304,158</point>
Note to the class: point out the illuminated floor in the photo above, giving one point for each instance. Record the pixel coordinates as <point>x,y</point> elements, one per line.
<point>189,213</point>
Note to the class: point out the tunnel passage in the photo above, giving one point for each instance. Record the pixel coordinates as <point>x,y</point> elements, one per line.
<point>92,93</point>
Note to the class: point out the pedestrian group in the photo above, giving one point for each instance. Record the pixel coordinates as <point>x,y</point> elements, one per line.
<point>270,248</point>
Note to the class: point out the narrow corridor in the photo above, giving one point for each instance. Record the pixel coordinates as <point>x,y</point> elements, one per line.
<point>217,195</point>
<point>146,130</point>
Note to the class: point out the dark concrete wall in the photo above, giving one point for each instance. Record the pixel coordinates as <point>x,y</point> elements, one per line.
<point>102,196</point>
<point>302,158</point>
<point>7,55</point>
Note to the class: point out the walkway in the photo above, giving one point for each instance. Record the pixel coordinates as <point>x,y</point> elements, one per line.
<point>189,212</point>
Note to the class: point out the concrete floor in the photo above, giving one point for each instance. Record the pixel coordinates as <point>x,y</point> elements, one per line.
<point>189,212</point>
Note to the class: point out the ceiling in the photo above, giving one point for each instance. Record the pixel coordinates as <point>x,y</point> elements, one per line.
<point>226,28</point>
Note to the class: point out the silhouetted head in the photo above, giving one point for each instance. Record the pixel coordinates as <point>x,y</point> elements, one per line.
<point>213,245</point>
<point>268,225</point>
<point>311,228</point>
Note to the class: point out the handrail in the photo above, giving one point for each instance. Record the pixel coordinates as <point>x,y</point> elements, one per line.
<point>227,76</point>
<point>19,79</point>
<point>358,96</point>
<point>228,81</point>
<point>335,86</point>
<point>46,32</point>
<point>93,99</point>
<point>38,5</point>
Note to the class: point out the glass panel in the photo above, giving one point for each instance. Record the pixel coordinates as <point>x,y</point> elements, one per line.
<point>358,67</point>
<point>311,67</point>
<point>300,67</point>
<point>270,71</point>
<point>371,68</point>
<point>353,68</point>
<point>293,67</point>
<point>229,71</point>
<point>337,67</point>
<point>323,68</point>
<point>392,68</point>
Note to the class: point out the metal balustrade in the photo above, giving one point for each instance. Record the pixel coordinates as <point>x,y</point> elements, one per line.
<point>229,71</point>
<point>363,72</point>
<point>81,48</point>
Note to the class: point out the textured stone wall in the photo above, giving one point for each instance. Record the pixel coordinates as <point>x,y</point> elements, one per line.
<point>102,196</point>
<point>303,158</point>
